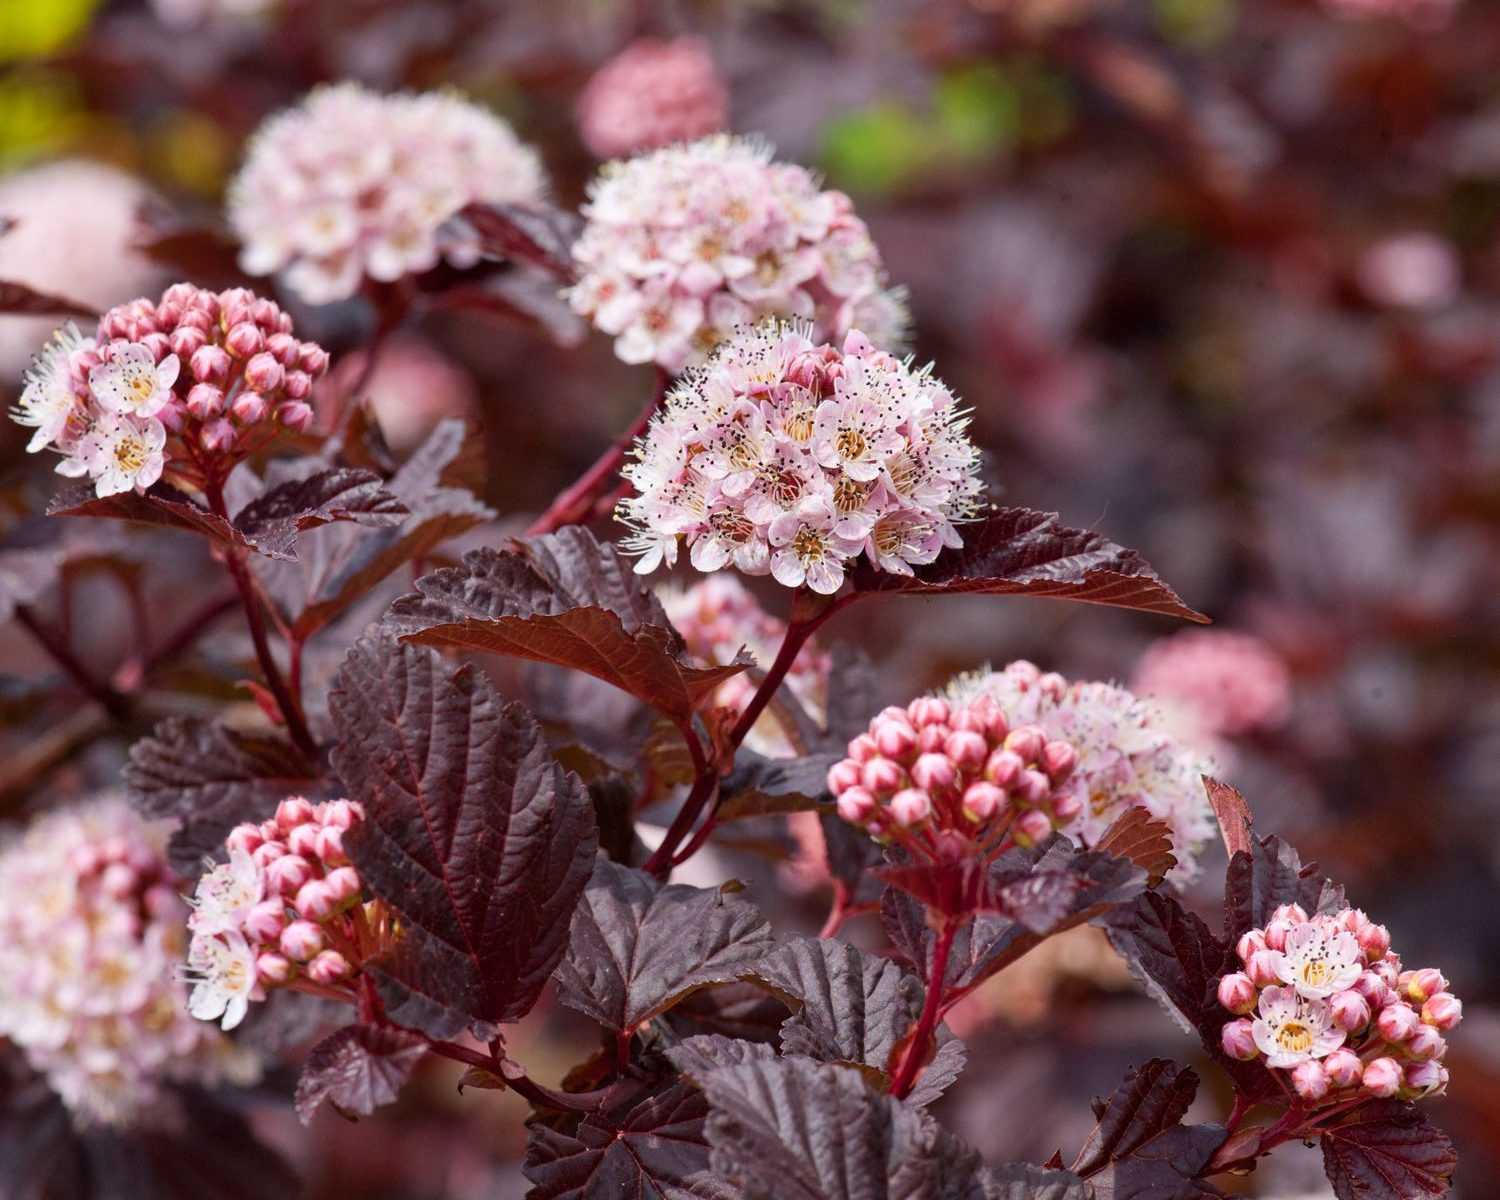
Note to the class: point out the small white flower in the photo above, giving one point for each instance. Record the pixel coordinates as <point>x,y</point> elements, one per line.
<point>222,969</point>
<point>133,382</point>
<point>1320,959</point>
<point>47,398</point>
<point>1292,1029</point>
<point>121,454</point>
<point>805,548</point>
<point>226,893</point>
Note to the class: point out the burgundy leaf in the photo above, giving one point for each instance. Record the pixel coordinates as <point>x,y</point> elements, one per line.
<point>1151,1100</point>
<point>357,1069</point>
<point>272,521</point>
<point>637,946</point>
<point>1022,1181</point>
<point>563,598</point>
<point>19,300</point>
<point>25,575</point>
<point>941,1071</point>
<point>736,1010</point>
<point>1269,874</point>
<point>1388,1151</point>
<point>471,833</point>
<point>652,1147</point>
<point>1165,1167</point>
<point>1144,840</point>
<point>161,504</point>
<point>851,855</point>
<point>1019,551</point>
<point>539,235</point>
<point>196,250</point>
<point>208,778</point>
<point>1233,815</point>
<point>705,1052</point>
<point>525,297</point>
<point>759,786</point>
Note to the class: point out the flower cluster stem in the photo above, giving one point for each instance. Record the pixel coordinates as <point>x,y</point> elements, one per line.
<point>916,1049</point>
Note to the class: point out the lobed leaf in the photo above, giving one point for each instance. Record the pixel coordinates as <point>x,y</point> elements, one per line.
<point>1152,1099</point>
<point>540,235</point>
<point>1388,1151</point>
<point>705,1052</point>
<point>1022,1181</point>
<point>1269,874</point>
<point>357,1069</point>
<point>472,833</point>
<point>272,521</point>
<point>161,505</point>
<point>758,786</point>
<point>1166,1167</point>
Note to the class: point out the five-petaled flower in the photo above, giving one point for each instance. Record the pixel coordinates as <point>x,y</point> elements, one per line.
<point>1291,1028</point>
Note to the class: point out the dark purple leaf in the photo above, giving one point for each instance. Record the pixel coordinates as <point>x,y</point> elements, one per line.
<point>1151,1100</point>
<point>705,1052</point>
<point>563,598</point>
<point>19,300</point>
<point>1163,1168</point>
<point>737,1010</point>
<point>1022,1181</point>
<point>208,778</point>
<point>1268,875</point>
<point>941,1071</point>
<point>652,1148</point>
<point>851,855</point>
<point>196,250</point>
<point>272,521</point>
<point>25,575</point>
<point>471,833</point>
<point>1388,1151</point>
<point>758,786</point>
<point>534,234</point>
<point>161,505</point>
<point>1233,815</point>
<point>357,1069</point>
<point>1144,840</point>
<point>1019,551</point>
<point>525,297</point>
<point>637,946</point>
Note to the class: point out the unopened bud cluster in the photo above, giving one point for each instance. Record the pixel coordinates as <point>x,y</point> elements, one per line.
<point>1325,1000</point>
<point>651,94</point>
<point>286,907</point>
<point>1231,683</point>
<point>91,932</point>
<point>937,768</point>
<point>187,384</point>
<point>717,618</point>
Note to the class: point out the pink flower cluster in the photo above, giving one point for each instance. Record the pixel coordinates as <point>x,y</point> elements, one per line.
<point>286,907</point>
<point>351,183</point>
<point>1128,753</point>
<point>717,618</point>
<point>651,94</point>
<point>792,459</point>
<point>91,932</point>
<point>1231,683</point>
<point>933,769</point>
<point>191,382</point>
<point>1324,999</point>
<point>686,244</point>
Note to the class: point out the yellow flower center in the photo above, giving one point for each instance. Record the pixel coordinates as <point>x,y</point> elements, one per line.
<point>808,545</point>
<point>1294,1037</point>
<point>850,443</point>
<point>849,495</point>
<point>130,453</point>
<point>1316,972</point>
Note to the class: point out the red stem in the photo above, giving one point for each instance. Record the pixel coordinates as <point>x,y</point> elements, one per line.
<point>916,1049</point>
<point>519,1081</point>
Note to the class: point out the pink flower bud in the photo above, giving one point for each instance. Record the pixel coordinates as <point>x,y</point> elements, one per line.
<point>1249,943</point>
<point>293,811</point>
<point>219,436</point>
<point>1351,919</point>
<point>927,710</point>
<point>312,358</point>
<point>1031,789</point>
<point>1237,993</point>
<point>270,830</point>
<point>1033,826</point>
<point>932,738</point>
<point>855,805</point>
<point>341,813</point>
<point>1426,982</point>
<point>250,408</point>
<point>1426,1043</point>
<point>265,921</point>
<point>1343,1067</point>
<point>910,806</point>
<point>863,748</point>
<point>267,853</point>
<point>1276,933</point>
<point>1388,969</point>
<point>244,340</point>
<point>1443,1011</point>
<point>882,776</point>
<point>1004,768</point>
<point>934,772</point>
<point>1350,1011</point>
<point>263,372</point>
<point>303,840</point>
<point>1059,760</point>
<point>972,718</point>
<point>1027,743</point>
<point>1382,1077</point>
<point>187,341</point>
<point>119,880</point>
<point>1425,1078</point>
<point>301,940</point>
<point>264,312</point>
<point>1052,685</point>
<point>966,748</point>
<point>288,874</point>
<point>205,401</point>
<point>328,968</point>
<point>1066,808</point>
<point>158,344</point>
<point>284,348</point>
<point>1397,1022</point>
<point>315,900</point>
<point>1262,968</point>
<point>297,385</point>
<point>330,846</point>
<point>896,740</point>
<point>273,969</point>
<point>1293,914</point>
<point>210,364</point>
<point>983,800</point>
<point>1238,1040</point>
<point>1310,1080</point>
<point>1373,989</point>
<point>843,775</point>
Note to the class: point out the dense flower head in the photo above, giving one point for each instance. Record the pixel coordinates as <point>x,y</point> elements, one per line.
<point>91,932</point>
<point>351,183</point>
<point>1128,753</point>
<point>194,379</point>
<point>287,907</point>
<point>1232,683</point>
<point>688,243</point>
<point>792,459</point>
<point>934,769</point>
<point>717,618</point>
<point>653,93</point>
<point>1324,999</point>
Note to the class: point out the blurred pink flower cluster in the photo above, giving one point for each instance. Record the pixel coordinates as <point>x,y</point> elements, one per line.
<point>1324,999</point>
<point>686,244</point>
<point>651,94</point>
<point>792,459</point>
<point>1425,16</point>
<point>718,617</point>
<point>285,907</point>
<point>91,935</point>
<point>1231,683</point>
<point>194,377</point>
<point>352,184</point>
<point>1128,753</point>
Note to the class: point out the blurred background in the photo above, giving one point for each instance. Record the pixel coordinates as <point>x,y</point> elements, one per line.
<point>1218,277</point>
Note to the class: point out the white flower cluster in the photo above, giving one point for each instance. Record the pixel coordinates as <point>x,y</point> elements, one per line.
<point>688,243</point>
<point>792,459</point>
<point>351,183</point>
<point>1128,754</point>
<point>91,935</point>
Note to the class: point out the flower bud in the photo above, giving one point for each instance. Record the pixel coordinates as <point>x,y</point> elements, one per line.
<point>932,738</point>
<point>966,748</point>
<point>1387,969</point>
<point>934,772</point>
<point>330,846</point>
<point>1442,1010</point>
<point>263,372</point>
<point>295,416</point>
<point>973,718</point>
<point>1343,1067</point>
<point>1237,993</point>
<point>927,710</point>
<point>843,775</point>
<point>1276,932</point>
<point>1349,1011</point>
<point>293,811</point>
<point>303,840</point>
<point>1249,943</point>
<point>341,813</point>
<point>1238,1040</point>
<point>882,777</point>
<point>1382,1077</point>
<point>250,408</point>
<point>344,883</point>
<point>1262,968</point>
<point>1033,826</point>
<point>205,401</point>
<point>284,348</point>
<point>1426,1043</point>
<point>855,805</point>
<point>1373,989</point>
<point>273,969</point>
<point>1031,789</point>
<point>301,940</point>
<point>863,748</point>
<point>265,921</point>
<point>119,880</point>
<point>1425,1078</point>
<point>1293,914</point>
<point>1066,808</point>
<point>1027,743</point>
<point>267,853</point>
<point>1058,760</point>
<point>186,341</point>
<point>210,364</point>
<point>315,900</point>
<point>1397,1022</point>
<point>219,436</point>
<point>297,385</point>
<point>983,800</point>
<point>1374,940</point>
<point>1003,768</point>
<point>312,358</point>
<point>1418,985</point>
<point>264,312</point>
<point>328,968</point>
<point>911,806</point>
<point>244,340</point>
<point>895,740</point>
<point>288,874</point>
<point>271,831</point>
<point>1310,1080</point>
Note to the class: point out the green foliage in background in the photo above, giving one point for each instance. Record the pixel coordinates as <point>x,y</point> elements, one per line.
<point>31,29</point>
